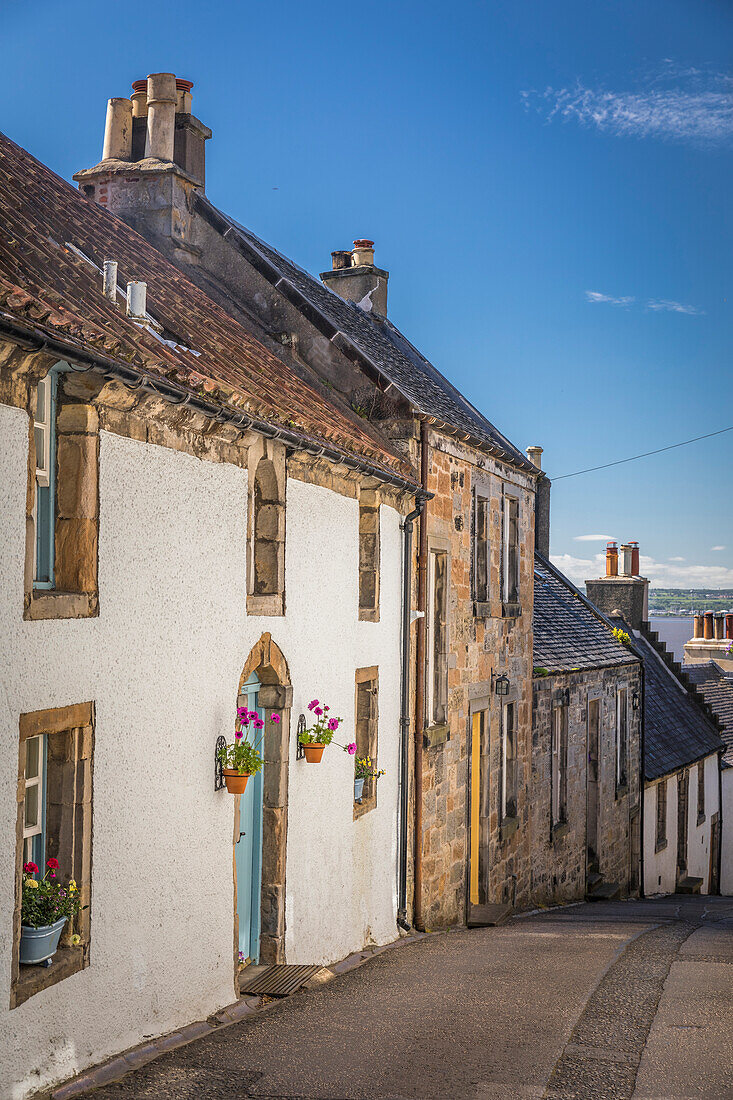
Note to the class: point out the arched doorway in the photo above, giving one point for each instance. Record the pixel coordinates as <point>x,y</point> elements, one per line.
<point>262,873</point>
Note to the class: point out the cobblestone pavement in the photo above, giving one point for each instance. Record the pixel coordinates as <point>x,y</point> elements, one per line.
<point>625,1001</point>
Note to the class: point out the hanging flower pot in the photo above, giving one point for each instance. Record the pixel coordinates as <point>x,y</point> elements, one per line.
<point>236,783</point>
<point>316,737</point>
<point>242,759</point>
<point>358,789</point>
<point>314,751</point>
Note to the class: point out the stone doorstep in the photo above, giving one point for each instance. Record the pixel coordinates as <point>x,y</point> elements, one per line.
<point>122,1064</point>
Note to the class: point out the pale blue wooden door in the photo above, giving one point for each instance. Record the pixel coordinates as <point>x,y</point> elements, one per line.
<point>248,849</point>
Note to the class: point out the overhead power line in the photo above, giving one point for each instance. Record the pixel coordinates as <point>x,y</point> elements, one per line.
<point>620,461</point>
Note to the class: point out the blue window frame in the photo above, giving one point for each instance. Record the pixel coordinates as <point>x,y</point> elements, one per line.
<point>44,429</point>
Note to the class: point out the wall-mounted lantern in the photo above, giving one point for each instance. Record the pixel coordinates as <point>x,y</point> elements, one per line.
<point>501,685</point>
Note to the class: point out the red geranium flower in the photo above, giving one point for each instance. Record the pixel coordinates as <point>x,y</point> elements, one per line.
<point>52,863</point>
<point>30,868</point>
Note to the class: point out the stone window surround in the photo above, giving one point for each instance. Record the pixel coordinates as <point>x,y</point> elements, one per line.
<point>75,723</point>
<point>661,840</point>
<point>76,523</point>
<point>621,778</point>
<point>436,734</point>
<point>701,815</point>
<point>274,451</point>
<point>365,676</point>
<point>369,554</point>
<point>481,486</point>
<point>508,826</point>
<point>510,609</point>
<point>560,706</point>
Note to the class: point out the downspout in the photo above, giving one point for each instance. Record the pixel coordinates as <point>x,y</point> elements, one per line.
<point>422,586</point>
<point>407,525</point>
<point>720,819</point>
<point>642,788</point>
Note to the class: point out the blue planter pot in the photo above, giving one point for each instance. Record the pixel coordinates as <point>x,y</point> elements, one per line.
<point>358,789</point>
<point>39,944</point>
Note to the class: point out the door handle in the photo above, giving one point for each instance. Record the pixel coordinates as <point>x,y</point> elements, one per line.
<point>243,833</point>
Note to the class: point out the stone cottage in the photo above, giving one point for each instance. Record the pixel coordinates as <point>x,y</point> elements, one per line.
<point>468,696</point>
<point>681,826</point>
<point>586,749</point>
<point>170,494</point>
<point>715,684</point>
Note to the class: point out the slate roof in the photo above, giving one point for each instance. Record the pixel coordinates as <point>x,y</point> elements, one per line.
<point>717,689</point>
<point>45,284</point>
<point>569,634</point>
<point>387,349</point>
<point>676,729</point>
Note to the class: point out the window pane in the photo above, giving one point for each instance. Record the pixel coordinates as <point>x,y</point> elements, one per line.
<point>32,757</point>
<point>41,401</point>
<point>40,438</point>
<point>482,549</point>
<point>32,819</point>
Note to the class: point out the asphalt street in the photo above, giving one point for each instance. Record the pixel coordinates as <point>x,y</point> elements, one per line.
<point>620,1000</point>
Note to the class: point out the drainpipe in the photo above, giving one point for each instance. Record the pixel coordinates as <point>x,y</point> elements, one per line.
<point>720,818</point>
<point>422,586</point>
<point>642,788</point>
<point>407,525</point>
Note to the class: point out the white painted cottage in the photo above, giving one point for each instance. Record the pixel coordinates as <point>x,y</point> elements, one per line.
<point>185,523</point>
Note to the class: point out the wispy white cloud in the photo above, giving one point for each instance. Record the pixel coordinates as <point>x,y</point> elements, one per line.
<point>672,103</point>
<point>666,305</point>
<point>592,538</point>
<point>717,548</point>
<point>596,296</point>
<point>659,305</point>
<point>676,559</point>
<point>661,574</point>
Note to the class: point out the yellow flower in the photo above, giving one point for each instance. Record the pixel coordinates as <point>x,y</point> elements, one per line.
<point>75,940</point>
<point>32,883</point>
<point>72,886</point>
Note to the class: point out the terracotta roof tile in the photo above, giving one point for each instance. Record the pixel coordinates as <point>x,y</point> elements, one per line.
<point>45,283</point>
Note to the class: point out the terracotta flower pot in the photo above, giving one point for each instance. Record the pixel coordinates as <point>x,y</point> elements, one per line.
<point>314,752</point>
<point>235,782</point>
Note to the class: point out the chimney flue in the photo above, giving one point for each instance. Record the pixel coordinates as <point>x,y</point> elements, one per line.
<point>137,300</point>
<point>611,559</point>
<point>708,628</point>
<point>624,555</point>
<point>162,100</point>
<point>340,260</point>
<point>363,254</point>
<point>118,130</point>
<point>109,280</point>
<point>635,568</point>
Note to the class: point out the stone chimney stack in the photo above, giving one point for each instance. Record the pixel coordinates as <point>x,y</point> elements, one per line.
<point>541,504</point>
<point>621,589</point>
<point>354,277</point>
<point>152,158</point>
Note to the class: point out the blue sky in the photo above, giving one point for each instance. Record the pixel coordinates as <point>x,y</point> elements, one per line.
<point>548,185</point>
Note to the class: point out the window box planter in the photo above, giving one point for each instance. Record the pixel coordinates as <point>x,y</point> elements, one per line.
<point>39,945</point>
<point>358,789</point>
<point>314,751</point>
<point>236,783</point>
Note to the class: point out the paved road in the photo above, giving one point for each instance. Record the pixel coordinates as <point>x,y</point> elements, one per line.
<point>625,1001</point>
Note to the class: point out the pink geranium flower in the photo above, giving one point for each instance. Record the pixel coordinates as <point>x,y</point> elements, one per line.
<point>333,723</point>
<point>313,704</point>
<point>52,863</point>
<point>274,717</point>
<point>318,711</point>
<point>30,868</point>
<point>351,748</point>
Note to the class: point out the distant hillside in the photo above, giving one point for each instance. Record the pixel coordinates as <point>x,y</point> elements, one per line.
<point>684,601</point>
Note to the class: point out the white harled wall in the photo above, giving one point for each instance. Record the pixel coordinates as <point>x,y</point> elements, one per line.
<point>663,864</point>
<point>162,663</point>
<point>726,862</point>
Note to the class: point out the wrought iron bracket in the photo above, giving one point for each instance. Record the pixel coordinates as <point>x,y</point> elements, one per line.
<point>299,750</point>
<point>221,743</point>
